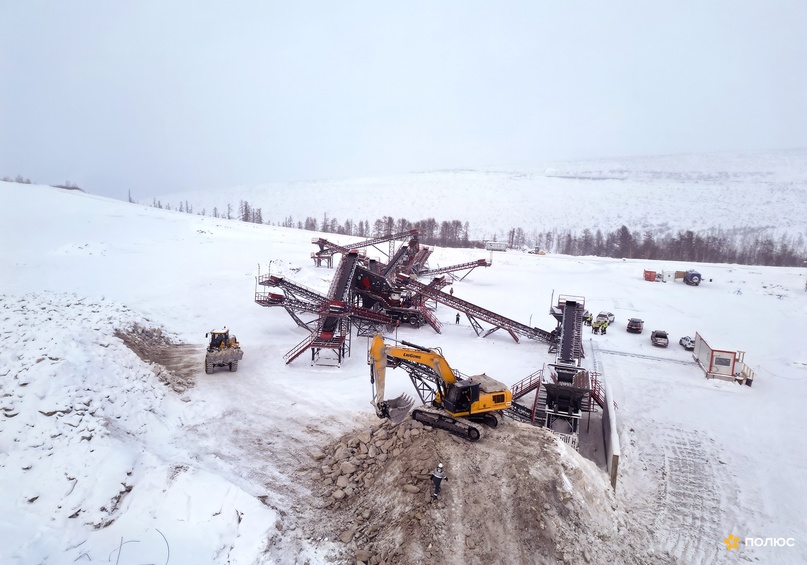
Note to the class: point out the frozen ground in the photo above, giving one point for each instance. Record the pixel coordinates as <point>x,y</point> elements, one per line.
<point>117,457</point>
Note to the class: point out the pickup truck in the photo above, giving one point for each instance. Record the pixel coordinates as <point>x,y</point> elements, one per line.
<point>659,338</point>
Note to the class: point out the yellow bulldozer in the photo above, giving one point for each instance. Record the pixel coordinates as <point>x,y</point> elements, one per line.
<point>222,351</point>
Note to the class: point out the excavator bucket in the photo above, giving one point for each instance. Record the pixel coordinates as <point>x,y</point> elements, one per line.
<point>398,408</point>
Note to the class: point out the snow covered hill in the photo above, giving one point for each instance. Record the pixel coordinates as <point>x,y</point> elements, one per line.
<point>116,447</point>
<point>732,191</point>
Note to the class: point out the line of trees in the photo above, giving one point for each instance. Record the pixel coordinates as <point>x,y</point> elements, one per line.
<point>25,180</point>
<point>19,178</point>
<point>453,233</point>
<point>749,246</point>
<point>752,246</point>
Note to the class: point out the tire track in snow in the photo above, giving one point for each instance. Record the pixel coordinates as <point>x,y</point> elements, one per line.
<point>642,356</point>
<point>687,512</point>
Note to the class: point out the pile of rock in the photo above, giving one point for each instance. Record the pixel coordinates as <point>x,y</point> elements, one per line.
<point>352,464</point>
<point>392,461</point>
<point>518,496</point>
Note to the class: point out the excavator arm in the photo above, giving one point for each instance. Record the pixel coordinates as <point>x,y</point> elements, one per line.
<point>380,353</point>
<point>396,408</point>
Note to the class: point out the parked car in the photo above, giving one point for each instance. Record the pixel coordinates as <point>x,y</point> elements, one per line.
<point>635,325</point>
<point>605,316</point>
<point>687,342</point>
<point>659,338</point>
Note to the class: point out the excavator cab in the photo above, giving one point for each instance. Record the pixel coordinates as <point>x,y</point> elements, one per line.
<point>460,396</point>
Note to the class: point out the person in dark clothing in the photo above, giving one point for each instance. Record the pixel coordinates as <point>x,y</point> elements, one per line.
<point>438,475</point>
<point>457,319</point>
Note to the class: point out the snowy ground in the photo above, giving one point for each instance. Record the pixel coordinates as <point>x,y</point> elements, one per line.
<point>663,194</point>
<point>111,458</point>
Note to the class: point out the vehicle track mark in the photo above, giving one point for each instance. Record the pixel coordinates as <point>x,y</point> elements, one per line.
<point>687,505</point>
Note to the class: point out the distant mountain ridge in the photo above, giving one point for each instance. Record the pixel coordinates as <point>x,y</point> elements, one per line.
<point>736,192</point>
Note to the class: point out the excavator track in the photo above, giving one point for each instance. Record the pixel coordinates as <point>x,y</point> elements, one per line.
<point>439,419</point>
<point>488,418</point>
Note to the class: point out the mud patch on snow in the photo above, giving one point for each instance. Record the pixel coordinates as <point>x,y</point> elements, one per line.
<point>517,496</point>
<point>174,364</point>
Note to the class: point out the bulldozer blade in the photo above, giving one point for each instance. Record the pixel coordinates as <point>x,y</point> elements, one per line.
<point>398,408</point>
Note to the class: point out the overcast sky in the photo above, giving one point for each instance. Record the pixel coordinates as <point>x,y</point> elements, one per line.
<point>162,96</point>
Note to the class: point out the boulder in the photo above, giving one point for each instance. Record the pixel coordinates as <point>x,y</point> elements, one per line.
<point>363,555</point>
<point>347,535</point>
<point>341,453</point>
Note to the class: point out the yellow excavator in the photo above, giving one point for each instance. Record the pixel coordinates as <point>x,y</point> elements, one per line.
<point>452,401</point>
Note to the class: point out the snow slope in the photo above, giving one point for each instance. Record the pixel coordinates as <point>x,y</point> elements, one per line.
<point>108,463</point>
<point>734,191</point>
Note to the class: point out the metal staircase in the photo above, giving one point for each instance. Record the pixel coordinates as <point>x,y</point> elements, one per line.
<point>527,384</point>
<point>597,391</point>
<point>521,412</point>
<point>430,318</point>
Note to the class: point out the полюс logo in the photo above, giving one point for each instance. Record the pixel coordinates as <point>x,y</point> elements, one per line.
<point>731,542</point>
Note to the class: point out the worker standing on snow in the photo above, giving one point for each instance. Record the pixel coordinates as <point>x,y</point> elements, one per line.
<point>437,477</point>
<point>457,319</point>
<point>604,327</point>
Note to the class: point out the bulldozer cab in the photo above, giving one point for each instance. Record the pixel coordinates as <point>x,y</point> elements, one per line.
<point>460,396</point>
<point>218,339</point>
